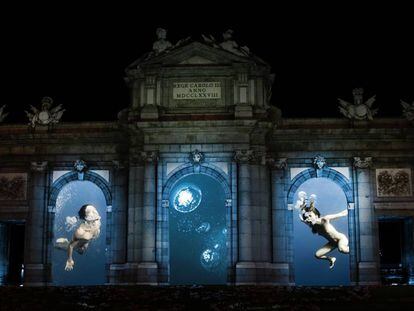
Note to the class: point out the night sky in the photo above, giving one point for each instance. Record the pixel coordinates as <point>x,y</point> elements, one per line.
<point>77,55</point>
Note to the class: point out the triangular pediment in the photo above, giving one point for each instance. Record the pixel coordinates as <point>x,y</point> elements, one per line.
<point>195,53</point>
<point>196,60</point>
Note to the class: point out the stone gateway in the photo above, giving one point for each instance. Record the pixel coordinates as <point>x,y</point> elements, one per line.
<point>197,180</point>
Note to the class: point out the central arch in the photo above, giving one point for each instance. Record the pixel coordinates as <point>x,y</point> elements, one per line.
<point>198,238</point>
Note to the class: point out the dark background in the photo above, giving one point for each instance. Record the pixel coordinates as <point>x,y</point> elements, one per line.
<point>77,54</point>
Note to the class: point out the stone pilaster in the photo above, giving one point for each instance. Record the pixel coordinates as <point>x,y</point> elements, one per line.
<point>280,226</point>
<point>243,108</point>
<point>243,158</point>
<point>119,223</point>
<point>141,266</point>
<point>368,261</point>
<point>149,207</point>
<point>150,109</point>
<point>36,271</point>
<point>253,264</point>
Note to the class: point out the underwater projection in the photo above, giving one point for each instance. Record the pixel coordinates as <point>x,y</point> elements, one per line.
<point>320,223</point>
<point>198,233</point>
<point>79,253</point>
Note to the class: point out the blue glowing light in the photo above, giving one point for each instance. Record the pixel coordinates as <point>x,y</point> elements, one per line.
<point>187,199</point>
<point>210,259</point>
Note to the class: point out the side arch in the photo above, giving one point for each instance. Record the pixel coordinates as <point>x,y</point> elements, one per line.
<point>329,173</point>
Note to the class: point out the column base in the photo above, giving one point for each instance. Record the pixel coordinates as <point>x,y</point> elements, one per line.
<point>258,273</point>
<point>143,273</point>
<point>149,112</point>
<point>36,275</point>
<point>243,111</point>
<point>369,273</point>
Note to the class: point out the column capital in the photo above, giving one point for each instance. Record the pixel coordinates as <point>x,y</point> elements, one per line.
<point>149,156</point>
<point>38,166</point>
<point>142,157</point>
<point>120,164</point>
<point>276,163</point>
<point>244,156</point>
<point>360,162</point>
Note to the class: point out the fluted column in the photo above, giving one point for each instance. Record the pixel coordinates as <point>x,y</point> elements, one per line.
<point>368,262</point>
<point>35,270</point>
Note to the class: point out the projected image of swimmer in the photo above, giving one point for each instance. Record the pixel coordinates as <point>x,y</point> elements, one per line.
<point>88,225</point>
<point>322,226</point>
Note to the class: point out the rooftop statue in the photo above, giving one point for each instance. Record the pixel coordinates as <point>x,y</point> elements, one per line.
<point>408,110</point>
<point>162,44</point>
<point>359,110</point>
<point>45,116</point>
<point>230,45</point>
<point>3,114</point>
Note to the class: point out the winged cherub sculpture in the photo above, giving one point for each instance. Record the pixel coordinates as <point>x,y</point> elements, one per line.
<point>45,116</point>
<point>359,110</point>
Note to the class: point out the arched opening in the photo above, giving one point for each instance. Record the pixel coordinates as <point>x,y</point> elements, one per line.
<point>90,258</point>
<point>310,270</point>
<point>198,231</point>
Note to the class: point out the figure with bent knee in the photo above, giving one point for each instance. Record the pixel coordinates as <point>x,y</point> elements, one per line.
<point>87,230</point>
<point>322,225</point>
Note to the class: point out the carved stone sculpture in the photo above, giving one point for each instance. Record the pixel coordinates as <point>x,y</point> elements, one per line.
<point>196,157</point>
<point>359,110</point>
<point>45,116</point>
<point>80,167</point>
<point>408,110</point>
<point>162,44</point>
<point>319,162</point>
<point>362,162</point>
<point>3,114</point>
<point>230,45</point>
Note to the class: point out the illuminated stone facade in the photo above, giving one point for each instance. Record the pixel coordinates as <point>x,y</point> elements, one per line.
<point>226,128</point>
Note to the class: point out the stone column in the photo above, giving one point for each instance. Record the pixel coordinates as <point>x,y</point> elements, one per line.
<point>243,157</point>
<point>135,188</point>
<point>141,267</point>
<point>148,267</point>
<point>368,261</point>
<point>36,272</point>
<point>128,272</point>
<point>245,267</point>
<point>280,228</point>
<point>119,222</point>
<point>149,207</point>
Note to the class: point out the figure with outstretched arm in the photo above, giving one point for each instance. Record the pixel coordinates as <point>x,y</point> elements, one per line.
<point>322,225</point>
<point>88,230</point>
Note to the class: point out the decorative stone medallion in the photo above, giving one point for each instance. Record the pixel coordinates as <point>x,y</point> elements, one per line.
<point>393,182</point>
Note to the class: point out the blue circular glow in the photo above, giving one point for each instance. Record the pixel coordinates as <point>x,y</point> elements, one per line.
<point>210,259</point>
<point>187,199</point>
